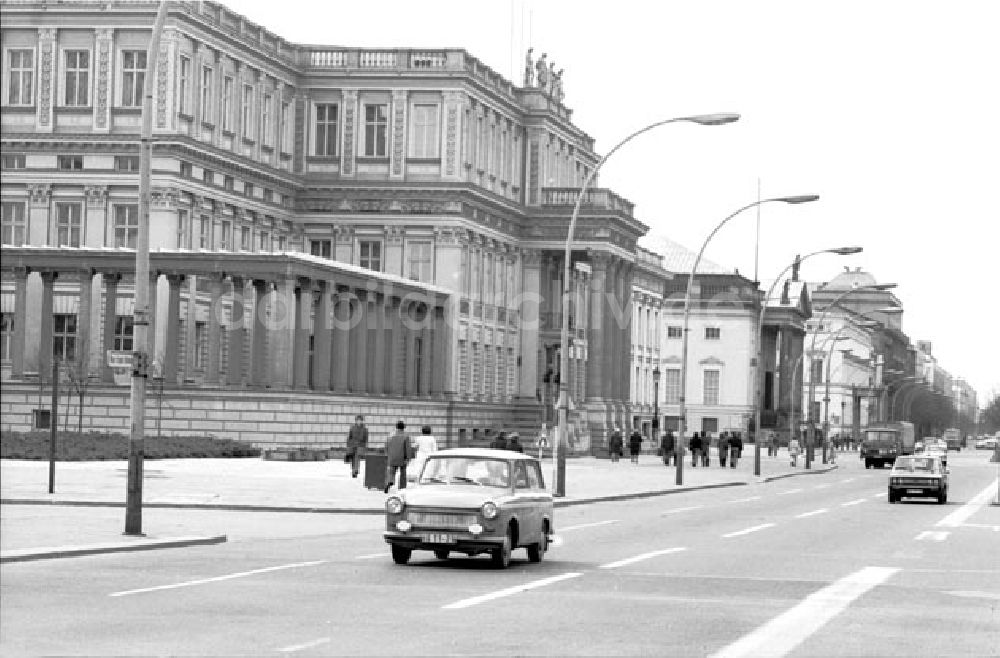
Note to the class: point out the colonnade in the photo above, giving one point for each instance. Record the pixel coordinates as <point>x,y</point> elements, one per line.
<point>609,334</point>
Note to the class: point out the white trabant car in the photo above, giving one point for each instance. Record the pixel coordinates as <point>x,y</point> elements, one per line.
<point>918,476</point>
<point>472,501</point>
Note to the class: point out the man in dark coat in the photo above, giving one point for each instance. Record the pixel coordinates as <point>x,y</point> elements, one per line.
<point>514,442</point>
<point>669,445</point>
<point>615,445</point>
<point>399,451</point>
<point>735,449</point>
<point>357,443</point>
<point>723,448</point>
<point>635,446</point>
<point>694,445</point>
<point>499,442</point>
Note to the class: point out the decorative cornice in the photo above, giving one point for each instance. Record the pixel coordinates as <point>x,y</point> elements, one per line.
<point>40,193</point>
<point>97,195</point>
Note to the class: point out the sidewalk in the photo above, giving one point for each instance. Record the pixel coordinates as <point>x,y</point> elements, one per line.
<point>95,489</point>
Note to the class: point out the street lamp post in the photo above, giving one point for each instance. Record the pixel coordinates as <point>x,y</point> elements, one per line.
<point>759,374</point>
<point>810,440</point>
<point>656,404</point>
<point>559,486</point>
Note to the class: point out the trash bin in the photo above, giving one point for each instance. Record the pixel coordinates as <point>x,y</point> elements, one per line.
<point>375,470</point>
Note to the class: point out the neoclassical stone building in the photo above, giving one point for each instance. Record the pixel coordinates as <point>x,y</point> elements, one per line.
<point>333,231</point>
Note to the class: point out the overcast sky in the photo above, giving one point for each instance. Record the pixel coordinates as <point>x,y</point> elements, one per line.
<point>887,109</point>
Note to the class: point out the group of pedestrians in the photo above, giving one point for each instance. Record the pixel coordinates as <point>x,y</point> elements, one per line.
<point>730,448</point>
<point>402,452</point>
<point>616,445</point>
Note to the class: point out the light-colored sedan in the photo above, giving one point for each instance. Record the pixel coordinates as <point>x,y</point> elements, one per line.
<point>472,501</point>
<point>989,443</point>
<point>918,476</point>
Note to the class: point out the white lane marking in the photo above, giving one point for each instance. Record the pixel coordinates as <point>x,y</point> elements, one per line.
<point>994,528</point>
<point>216,579</point>
<point>682,509</point>
<point>745,500</point>
<point>962,514</point>
<point>475,600</point>
<point>976,595</point>
<point>782,634</point>
<point>371,556</point>
<point>639,558</point>
<point>821,486</point>
<point>812,513</point>
<point>305,645</point>
<point>790,491</point>
<point>587,525</point>
<point>932,535</point>
<point>747,531</point>
<point>847,480</point>
<point>853,502</point>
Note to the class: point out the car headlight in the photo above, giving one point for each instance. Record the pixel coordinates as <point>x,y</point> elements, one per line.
<point>490,510</point>
<point>893,480</point>
<point>394,505</point>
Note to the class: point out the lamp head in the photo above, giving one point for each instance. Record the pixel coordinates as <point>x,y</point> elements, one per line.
<point>800,198</point>
<point>656,374</point>
<point>716,119</point>
<point>846,251</point>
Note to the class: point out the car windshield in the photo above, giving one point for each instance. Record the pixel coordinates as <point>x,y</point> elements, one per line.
<point>478,471</point>
<point>916,464</point>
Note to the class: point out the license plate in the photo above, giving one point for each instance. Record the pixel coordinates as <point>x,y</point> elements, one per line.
<point>914,491</point>
<point>438,538</point>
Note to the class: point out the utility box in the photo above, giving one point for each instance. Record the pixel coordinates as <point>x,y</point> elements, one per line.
<point>376,467</point>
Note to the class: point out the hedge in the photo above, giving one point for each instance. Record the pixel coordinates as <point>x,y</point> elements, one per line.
<point>72,446</point>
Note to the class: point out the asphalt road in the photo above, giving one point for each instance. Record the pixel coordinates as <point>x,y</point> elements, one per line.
<point>807,566</point>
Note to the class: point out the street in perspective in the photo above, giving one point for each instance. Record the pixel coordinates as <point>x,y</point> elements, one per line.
<point>524,328</point>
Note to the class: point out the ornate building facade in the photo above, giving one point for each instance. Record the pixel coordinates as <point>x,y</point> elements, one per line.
<point>333,230</point>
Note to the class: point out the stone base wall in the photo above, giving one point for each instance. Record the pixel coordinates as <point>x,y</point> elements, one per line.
<point>263,418</point>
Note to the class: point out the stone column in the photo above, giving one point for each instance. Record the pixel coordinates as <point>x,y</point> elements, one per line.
<point>359,345</point>
<point>111,280</point>
<point>529,309</point>
<point>396,385</point>
<point>237,333</point>
<point>595,331</point>
<point>45,331</point>
<point>20,314</point>
<point>341,342</point>
<point>379,344</point>
<point>440,356</point>
<point>190,329</point>
<point>83,315</point>
<point>258,350</point>
<point>426,354</point>
<point>626,351</point>
<point>322,339</point>
<point>303,320</point>
<point>281,335</point>
<point>214,329</point>
<point>171,352</point>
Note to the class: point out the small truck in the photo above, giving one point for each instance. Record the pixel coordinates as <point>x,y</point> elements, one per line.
<point>884,442</point>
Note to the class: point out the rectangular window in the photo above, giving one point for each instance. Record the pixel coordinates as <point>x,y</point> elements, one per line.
<point>208,176</point>
<point>127,163</point>
<point>264,243</point>
<point>246,243</point>
<point>183,105</point>
<point>376,131</point>
<point>123,333</point>
<point>248,190</point>
<point>282,243</point>
<point>12,161</point>
<point>186,170</point>
<point>326,129</point>
<point>183,229</point>
<point>205,104</point>
<point>370,254</point>
<point>64,336</point>
<point>268,195</point>
<point>133,77</point>
<point>77,80</point>
<point>246,112</point>
<point>227,183</point>
<point>227,103</point>
<point>711,387</point>
<point>126,226</point>
<point>200,344</point>
<point>286,128</point>
<point>6,332</point>
<point>226,235</point>
<point>265,120</point>
<point>321,248</point>
<point>424,140</point>
<point>817,371</point>
<point>72,162</point>
<point>21,72</point>
<point>672,385</point>
<point>13,230</point>
<point>710,425</point>
<point>419,260</point>
<point>204,232</point>
<point>713,333</point>
<point>674,331</point>
<point>68,224</point>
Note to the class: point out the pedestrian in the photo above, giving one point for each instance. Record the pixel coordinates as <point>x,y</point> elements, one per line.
<point>669,445</point>
<point>635,445</point>
<point>615,445</point>
<point>735,449</point>
<point>832,458</point>
<point>706,447</point>
<point>399,451</point>
<point>499,442</point>
<point>694,445</point>
<point>357,444</point>
<point>424,444</point>
<point>514,442</point>
<point>723,449</point>
<point>794,450</point>
<point>773,445</point>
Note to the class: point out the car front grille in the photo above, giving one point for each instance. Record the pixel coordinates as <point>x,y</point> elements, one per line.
<point>916,482</point>
<point>454,520</point>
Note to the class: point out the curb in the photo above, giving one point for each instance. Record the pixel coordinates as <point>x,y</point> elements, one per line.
<point>815,471</point>
<point>25,555</point>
